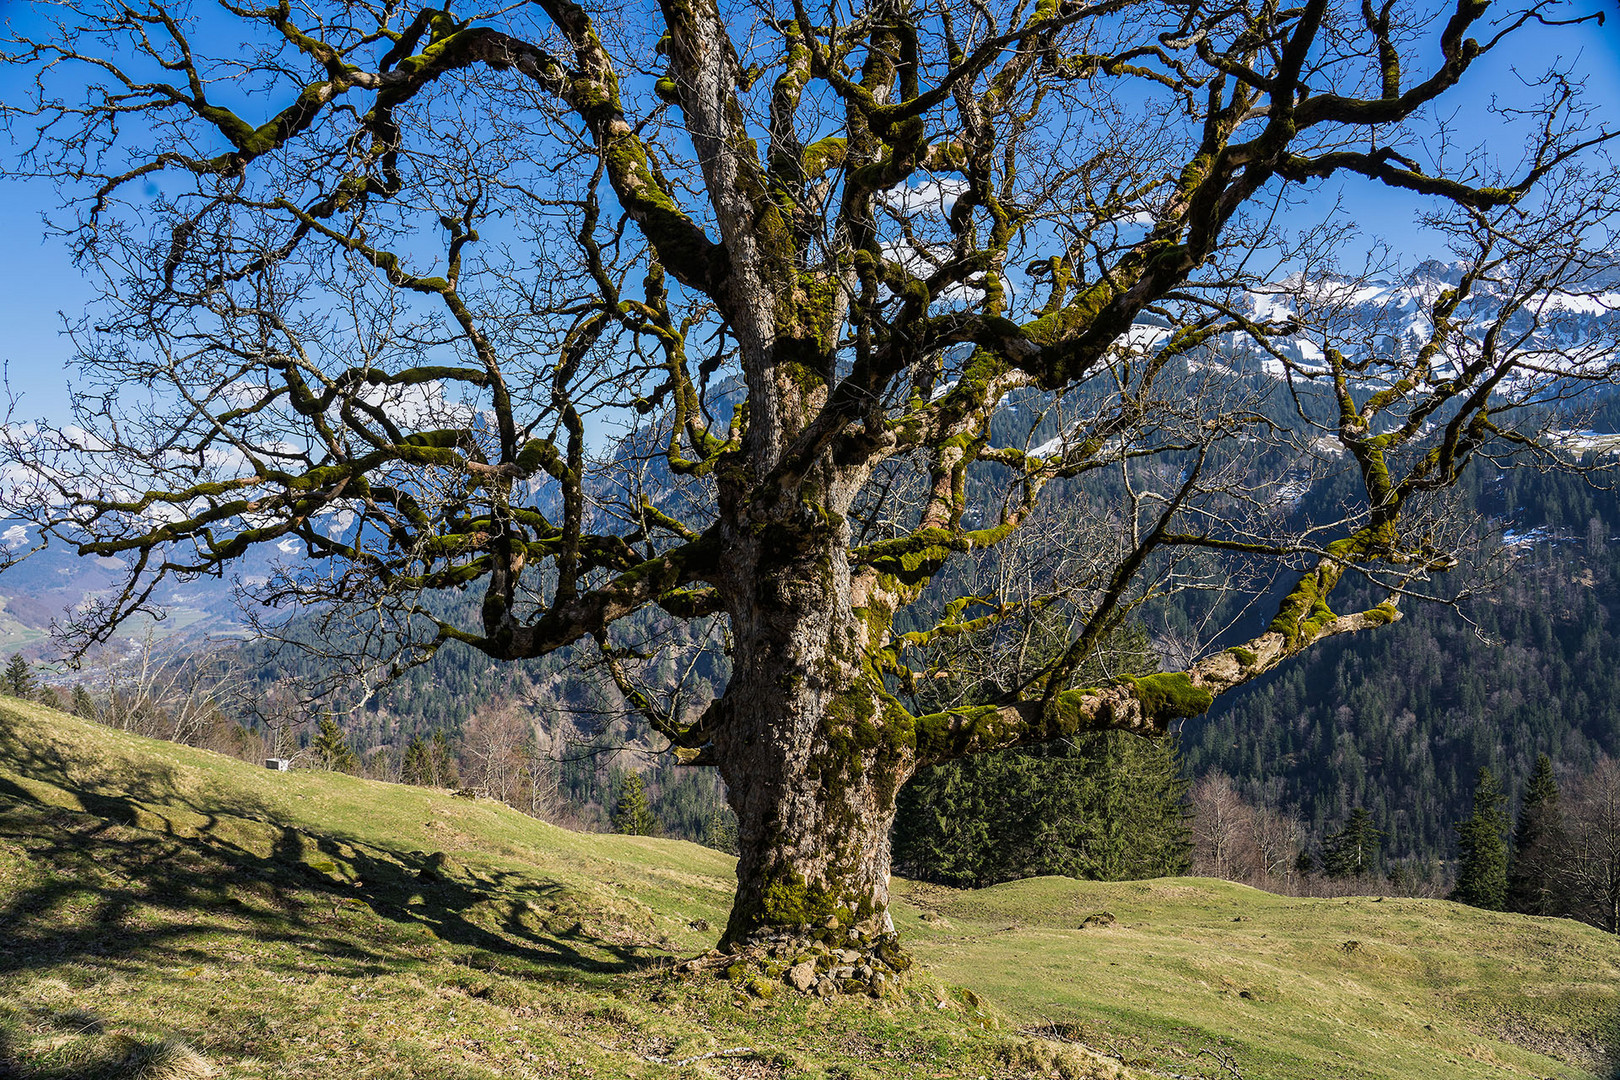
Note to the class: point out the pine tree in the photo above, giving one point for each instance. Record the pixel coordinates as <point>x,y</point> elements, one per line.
<point>1482,843</point>
<point>84,706</point>
<point>19,680</point>
<point>1538,840</point>
<point>332,750</point>
<point>1353,850</point>
<point>632,815</point>
<point>417,768</point>
<point>444,772</point>
<point>1108,806</point>
<point>720,831</point>
<point>1101,805</point>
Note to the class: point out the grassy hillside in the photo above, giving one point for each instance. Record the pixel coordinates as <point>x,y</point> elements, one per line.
<point>172,913</point>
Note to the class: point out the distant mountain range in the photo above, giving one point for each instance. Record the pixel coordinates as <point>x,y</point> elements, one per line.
<point>1359,314</point>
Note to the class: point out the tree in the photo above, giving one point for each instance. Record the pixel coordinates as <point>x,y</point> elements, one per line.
<point>1591,867</point>
<point>632,814</point>
<point>442,758</point>
<point>1108,806</point>
<point>1353,850</point>
<point>1279,842</point>
<point>84,706</point>
<point>1538,843</point>
<point>331,747</point>
<point>19,679</point>
<point>1104,805</point>
<point>1482,863</point>
<point>493,746</point>
<point>382,308</point>
<point>720,832</point>
<point>168,691</point>
<point>1223,830</point>
<point>417,765</point>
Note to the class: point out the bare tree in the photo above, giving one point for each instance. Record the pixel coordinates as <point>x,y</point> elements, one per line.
<point>182,693</point>
<point>382,281</point>
<point>494,747</point>
<point>1278,839</point>
<point>1591,864</point>
<point>1223,830</point>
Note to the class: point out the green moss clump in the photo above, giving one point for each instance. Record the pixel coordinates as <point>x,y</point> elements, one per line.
<point>1383,614</point>
<point>1171,696</point>
<point>1246,657</point>
<point>791,902</point>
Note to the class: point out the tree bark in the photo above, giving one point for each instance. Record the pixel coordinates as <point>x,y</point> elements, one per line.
<point>811,758</point>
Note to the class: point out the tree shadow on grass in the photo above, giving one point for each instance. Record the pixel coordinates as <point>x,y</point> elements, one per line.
<point>89,1053</point>
<point>123,852</point>
<point>102,900</point>
<point>177,882</point>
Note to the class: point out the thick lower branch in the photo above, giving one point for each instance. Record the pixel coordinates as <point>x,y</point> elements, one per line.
<point>1147,705</point>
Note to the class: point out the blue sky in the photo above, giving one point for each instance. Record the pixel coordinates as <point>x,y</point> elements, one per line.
<point>37,279</point>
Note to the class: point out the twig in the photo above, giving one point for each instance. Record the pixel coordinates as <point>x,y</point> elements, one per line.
<point>1227,1061</point>
<point>733,1052</point>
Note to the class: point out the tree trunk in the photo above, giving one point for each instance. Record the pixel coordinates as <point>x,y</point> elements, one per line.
<point>804,753</point>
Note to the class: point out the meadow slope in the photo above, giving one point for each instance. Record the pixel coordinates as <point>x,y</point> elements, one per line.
<point>168,912</point>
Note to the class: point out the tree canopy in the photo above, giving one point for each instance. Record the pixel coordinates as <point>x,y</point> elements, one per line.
<point>712,312</point>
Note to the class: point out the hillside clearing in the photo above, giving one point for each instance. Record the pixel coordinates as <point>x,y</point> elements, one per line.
<point>166,911</point>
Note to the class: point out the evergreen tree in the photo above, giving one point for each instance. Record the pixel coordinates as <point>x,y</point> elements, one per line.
<point>1104,805</point>
<point>1353,850</point>
<point>84,706</point>
<point>417,768</point>
<point>444,772</point>
<point>1538,840</point>
<point>720,832</point>
<point>19,680</point>
<point>332,750</point>
<point>632,815</point>
<point>1482,843</point>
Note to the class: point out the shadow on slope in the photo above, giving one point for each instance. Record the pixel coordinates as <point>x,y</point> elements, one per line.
<point>158,849</point>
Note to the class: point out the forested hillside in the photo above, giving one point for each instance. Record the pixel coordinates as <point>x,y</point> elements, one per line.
<point>1399,721</point>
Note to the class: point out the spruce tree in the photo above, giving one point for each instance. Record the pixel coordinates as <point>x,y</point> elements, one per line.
<point>1353,850</point>
<point>632,815</point>
<point>84,706</point>
<point>1482,843</point>
<point>1108,806</point>
<point>720,831</point>
<point>417,768</point>
<point>444,772</point>
<point>1538,839</point>
<point>1105,805</point>
<point>19,680</point>
<point>332,750</point>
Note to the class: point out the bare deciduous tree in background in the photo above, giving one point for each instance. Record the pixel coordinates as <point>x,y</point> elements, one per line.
<point>1590,866</point>
<point>380,280</point>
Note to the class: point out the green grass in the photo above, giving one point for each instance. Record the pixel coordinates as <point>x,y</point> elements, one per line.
<point>158,901</point>
<point>1352,987</point>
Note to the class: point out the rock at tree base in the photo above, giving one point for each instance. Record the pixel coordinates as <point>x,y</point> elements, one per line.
<point>802,976</point>
<point>822,961</point>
